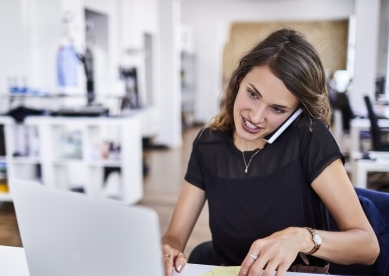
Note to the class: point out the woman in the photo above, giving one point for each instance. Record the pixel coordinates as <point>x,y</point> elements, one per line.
<point>268,203</point>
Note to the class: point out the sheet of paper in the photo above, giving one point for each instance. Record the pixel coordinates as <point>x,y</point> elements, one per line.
<point>222,271</point>
<point>226,271</point>
<point>207,274</point>
<point>204,270</point>
<point>194,270</point>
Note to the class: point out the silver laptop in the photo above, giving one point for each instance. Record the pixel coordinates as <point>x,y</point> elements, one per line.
<point>70,234</point>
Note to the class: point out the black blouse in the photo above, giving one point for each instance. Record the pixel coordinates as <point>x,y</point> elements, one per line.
<point>276,192</point>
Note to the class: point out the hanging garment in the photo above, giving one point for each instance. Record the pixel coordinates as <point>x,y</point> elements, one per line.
<point>67,61</point>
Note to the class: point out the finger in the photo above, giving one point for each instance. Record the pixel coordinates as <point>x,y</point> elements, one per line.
<point>246,264</point>
<point>282,268</point>
<point>258,266</point>
<point>179,261</point>
<point>270,268</point>
<point>167,258</point>
<point>168,264</point>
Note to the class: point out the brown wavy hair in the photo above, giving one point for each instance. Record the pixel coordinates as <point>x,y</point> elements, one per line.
<point>293,60</point>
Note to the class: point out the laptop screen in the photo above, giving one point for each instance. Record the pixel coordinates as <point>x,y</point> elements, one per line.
<point>67,233</point>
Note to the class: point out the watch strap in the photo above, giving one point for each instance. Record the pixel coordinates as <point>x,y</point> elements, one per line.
<point>315,246</point>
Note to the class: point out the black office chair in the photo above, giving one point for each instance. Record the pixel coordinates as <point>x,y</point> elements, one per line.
<point>340,101</point>
<point>379,136</point>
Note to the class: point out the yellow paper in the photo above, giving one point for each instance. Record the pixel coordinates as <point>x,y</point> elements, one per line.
<point>210,273</point>
<point>226,271</point>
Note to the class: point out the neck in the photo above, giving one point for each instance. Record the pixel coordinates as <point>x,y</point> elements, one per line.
<point>244,145</point>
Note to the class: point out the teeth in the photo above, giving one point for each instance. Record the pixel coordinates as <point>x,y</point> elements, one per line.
<point>250,125</point>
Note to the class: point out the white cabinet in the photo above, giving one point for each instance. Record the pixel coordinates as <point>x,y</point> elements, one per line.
<point>101,156</point>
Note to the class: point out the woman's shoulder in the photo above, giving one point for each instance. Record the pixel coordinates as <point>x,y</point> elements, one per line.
<point>207,135</point>
<point>310,125</point>
<point>308,129</point>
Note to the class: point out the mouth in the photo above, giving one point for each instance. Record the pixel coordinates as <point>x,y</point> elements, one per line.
<point>250,127</point>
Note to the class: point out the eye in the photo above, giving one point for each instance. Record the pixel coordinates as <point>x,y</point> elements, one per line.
<point>277,110</point>
<point>252,94</point>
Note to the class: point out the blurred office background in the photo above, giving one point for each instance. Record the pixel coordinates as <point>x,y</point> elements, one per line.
<point>118,89</point>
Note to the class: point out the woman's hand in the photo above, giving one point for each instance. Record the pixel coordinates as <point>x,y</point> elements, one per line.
<point>172,258</point>
<point>276,252</point>
<point>185,215</point>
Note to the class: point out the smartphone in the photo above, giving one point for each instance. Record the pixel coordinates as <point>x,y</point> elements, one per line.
<point>273,136</point>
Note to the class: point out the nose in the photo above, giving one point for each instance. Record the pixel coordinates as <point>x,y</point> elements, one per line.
<point>257,114</point>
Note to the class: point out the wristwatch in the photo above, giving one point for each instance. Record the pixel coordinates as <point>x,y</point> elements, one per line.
<point>316,240</point>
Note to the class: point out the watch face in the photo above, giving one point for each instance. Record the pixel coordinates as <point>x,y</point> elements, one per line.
<point>317,239</point>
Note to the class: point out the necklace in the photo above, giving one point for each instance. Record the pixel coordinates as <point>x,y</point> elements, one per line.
<point>244,159</point>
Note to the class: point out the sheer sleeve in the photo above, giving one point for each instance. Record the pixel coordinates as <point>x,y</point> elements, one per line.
<point>194,174</point>
<point>319,149</point>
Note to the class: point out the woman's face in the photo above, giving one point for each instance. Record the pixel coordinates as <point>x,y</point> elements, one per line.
<point>263,102</point>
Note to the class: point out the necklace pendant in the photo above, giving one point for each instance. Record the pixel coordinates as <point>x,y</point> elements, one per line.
<point>244,160</point>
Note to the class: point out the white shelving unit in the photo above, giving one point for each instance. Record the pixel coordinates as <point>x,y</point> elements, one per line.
<point>77,152</point>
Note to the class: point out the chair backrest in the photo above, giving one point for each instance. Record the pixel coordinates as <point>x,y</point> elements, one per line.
<point>375,204</point>
<point>347,112</point>
<point>374,128</point>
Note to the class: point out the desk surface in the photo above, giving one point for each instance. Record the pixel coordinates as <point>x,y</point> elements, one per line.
<point>13,263</point>
<point>360,167</point>
<point>361,124</point>
<point>365,123</point>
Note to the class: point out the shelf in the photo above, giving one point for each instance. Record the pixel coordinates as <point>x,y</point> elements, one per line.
<point>66,161</point>
<point>5,197</point>
<point>105,163</point>
<point>26,160</point>
<point>62,166</point>
<point>22,96</point>
<point>67,94</point>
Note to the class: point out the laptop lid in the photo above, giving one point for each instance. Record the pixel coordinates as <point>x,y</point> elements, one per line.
<point>67,233</point>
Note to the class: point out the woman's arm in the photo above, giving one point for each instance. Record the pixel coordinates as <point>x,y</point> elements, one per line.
<point>185,215</point>
<point>356,242</point>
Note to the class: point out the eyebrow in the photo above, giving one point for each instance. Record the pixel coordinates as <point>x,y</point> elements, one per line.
<point>256,90</point>
<point>260,95</point>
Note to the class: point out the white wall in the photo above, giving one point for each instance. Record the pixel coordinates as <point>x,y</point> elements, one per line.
<point>137,18</point>
<point>382,51</point>
<point>168,64</point>
<point>31,35</point>
<point>366,45</point>
<point>205,18</point>
<point>13,54</point>
<point>25,26</point>
<point>383,45</point>
<point>43,41</point>
<point>32,31</point>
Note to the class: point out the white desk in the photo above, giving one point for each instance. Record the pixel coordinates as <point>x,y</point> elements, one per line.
<point>357,125</point>
<point>360,167</point>
<point>13,263</point>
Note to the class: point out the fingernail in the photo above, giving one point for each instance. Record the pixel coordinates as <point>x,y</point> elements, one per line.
<point>179,267</point>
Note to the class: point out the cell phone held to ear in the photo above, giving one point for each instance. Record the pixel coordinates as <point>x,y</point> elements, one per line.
<point>273,136</point>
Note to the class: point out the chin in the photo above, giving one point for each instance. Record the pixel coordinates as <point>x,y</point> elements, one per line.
<point>243,134</point>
